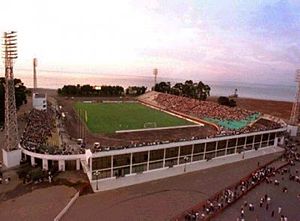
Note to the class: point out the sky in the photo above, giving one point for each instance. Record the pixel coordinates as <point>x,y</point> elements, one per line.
<point>232,40</point>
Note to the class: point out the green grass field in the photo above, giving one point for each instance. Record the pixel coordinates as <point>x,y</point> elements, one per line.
<point>109,117</point>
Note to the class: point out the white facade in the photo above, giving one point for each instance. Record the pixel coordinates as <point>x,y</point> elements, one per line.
<point>11,158</point>
<point>39,101</point>
<point>292,130</point>
<point>118,168</point>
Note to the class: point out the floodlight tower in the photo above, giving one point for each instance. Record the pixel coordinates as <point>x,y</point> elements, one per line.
<point>155,73</point>
<point>11,124</point>
<point>34,75</point>
<point>296,106</point>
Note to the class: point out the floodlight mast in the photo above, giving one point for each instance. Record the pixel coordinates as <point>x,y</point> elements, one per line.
<point>9,54</point>
<point>294,119</point>
<point>34,75</point>
<point>155,73</point>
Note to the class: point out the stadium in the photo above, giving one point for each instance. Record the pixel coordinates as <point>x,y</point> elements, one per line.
<point>124,141</point>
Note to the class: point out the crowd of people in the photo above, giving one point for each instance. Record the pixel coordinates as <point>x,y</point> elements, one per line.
<point>40,127</point>
<point>225,198</point>
<point>208,109</point>
<point>229,195</point>
<point>201,109</point>
<point>260,125</point>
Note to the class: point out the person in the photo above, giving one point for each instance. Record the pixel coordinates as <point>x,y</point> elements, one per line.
<point>284,189</point>
<point>273,212</point>
<point>251,207</point>
<point>279,210</point>
<point>268,200</point>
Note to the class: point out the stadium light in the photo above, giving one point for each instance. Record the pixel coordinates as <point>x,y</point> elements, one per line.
<point>97,173</point>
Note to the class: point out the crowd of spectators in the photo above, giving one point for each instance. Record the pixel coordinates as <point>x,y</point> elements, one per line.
<point>208,109</point>
<point>260,125</point>
<point>228,196</point>
<point>40,127</point>
<point>201,109</point>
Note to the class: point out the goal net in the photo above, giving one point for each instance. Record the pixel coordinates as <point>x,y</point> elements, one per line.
<point>150,125</point>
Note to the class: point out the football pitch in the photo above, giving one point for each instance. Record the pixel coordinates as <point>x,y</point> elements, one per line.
<point>110,117</point>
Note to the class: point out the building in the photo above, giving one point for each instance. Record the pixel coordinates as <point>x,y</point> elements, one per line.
<point>115,168</point>
<point>39,101</point>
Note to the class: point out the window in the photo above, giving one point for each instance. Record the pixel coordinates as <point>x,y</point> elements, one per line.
<point>232,142</point>
<point>199,148</point>
<point>102,174</point>
<point>211,146</point>
<point>220,153</point>
<point>209,156</point>
<point>119,172</point>
<point>249,142</point>
<point>257,138</point>
<point>231,151</point>
<point>222,144</point>
<point>185,150</point>
<point>156,154</point>
<point>241,141</point>
<point>101,163</point>
<point>140,157</point>
<point>198,157</point>
<point>272,136</point>
<point>156,165</point>
<point>171,163</point>
<point>265,137</point>
<point>121,160</point>
<point>139,168</point>
<point>185,159</point>
<point>172,152</point>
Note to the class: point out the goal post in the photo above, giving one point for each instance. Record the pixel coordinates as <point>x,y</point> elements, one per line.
<point>150,125</point>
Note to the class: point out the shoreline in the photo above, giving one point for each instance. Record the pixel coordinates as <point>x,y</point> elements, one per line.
<point>213,97</point>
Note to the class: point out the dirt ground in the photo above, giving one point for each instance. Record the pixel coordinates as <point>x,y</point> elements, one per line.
<point>41,204</point>
<point>281,109</point>
<point>161,199</point>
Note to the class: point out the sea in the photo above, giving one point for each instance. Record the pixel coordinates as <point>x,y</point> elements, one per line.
<point>55,80</point>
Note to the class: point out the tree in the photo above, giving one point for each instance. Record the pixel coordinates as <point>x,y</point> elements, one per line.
<point>189,89</point>
<point>226,101</point>
<point>164,87</point>
<point>135,90</point>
